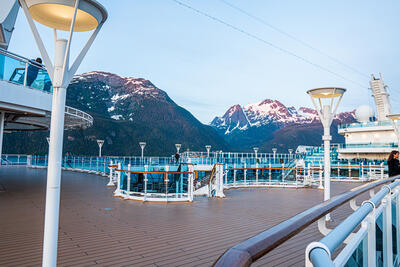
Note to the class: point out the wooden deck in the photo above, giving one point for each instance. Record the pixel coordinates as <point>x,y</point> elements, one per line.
<point>97,229</point>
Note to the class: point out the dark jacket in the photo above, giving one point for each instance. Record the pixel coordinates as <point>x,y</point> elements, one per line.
<point>394,168</point>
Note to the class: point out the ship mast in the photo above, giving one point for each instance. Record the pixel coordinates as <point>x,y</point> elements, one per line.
<point>381,97</point>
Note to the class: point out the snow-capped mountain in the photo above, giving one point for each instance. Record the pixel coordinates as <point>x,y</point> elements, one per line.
<point>123,94</point>
<point>129,110</point>
<point>269,112</point>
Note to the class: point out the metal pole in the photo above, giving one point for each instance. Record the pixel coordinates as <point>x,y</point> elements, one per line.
<point>54,164</point>
<point>2,116</point>
<point>327,167</point>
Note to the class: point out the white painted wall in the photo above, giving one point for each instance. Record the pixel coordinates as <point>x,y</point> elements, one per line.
<point>24,99</point>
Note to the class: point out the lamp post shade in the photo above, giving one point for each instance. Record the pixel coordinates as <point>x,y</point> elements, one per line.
<point>178,147</point>
<point>58,14</point>
<point>394,117</point>
<point>326,92</point>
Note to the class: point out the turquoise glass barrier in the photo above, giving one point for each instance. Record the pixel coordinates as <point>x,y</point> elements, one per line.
<point>22,71</point>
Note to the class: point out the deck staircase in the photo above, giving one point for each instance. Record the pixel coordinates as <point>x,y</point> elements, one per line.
<point>206,185</point>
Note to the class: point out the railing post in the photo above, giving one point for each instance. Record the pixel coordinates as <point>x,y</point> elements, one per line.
<point>270,173</point>
<point>28,161</point>
<point>244,173</point>
<point>226,175</point>
<point>118,191</point>
<point>190,183</point>
<point>362,170</point>
<point>26,73</point>
<point>370,171</point>
<point>283,173</point>
<point>320,177</point>
<point>219,192</point>
<point>397,219</point>
<point>387,230</point>
<point>257,173</point>
<point>349,170</point>
<point>382,171</point>
<point>234,174</point>
<point>128,183</point>
<point>111,181</point>
<point>146,168</point>
<point>166,180</point>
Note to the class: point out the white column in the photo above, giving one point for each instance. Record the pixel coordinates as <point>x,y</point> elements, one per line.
<point>51,216</point>
<point>2,118</point>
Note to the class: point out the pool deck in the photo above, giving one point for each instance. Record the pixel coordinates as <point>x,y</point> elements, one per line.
<point>97,229</point>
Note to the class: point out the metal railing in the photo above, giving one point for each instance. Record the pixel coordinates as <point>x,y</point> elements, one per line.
<point>13,159</point>
<point>78,118</point>
<point>376,242</point>
<point>365,124</point>
<point>155,185</point>
<point>20,70</point>
<point>268,176</point>
<point>368,145</point>
<point>252,249</point>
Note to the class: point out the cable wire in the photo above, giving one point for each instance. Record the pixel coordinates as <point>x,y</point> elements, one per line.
<point>253,36</point>
<point>293,38</point>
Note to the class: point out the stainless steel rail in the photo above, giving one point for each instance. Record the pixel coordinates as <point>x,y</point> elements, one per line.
<point>18,57</point>
<point>250,250</point>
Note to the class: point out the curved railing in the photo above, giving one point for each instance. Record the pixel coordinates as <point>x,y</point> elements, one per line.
<point>77,118</point>
<point>155,185</point>
<point>247,252</point>
<point>376,240</point>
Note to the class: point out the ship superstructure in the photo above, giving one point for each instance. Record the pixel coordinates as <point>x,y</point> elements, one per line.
<point>372,137</point>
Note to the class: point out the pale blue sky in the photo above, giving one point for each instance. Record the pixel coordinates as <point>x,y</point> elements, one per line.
<point>206,67</point>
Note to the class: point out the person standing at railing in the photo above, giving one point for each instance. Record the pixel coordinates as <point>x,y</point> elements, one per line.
<point>393,163</point>
<point>33,70</point>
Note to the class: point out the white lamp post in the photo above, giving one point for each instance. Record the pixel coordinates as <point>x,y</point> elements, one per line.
<point>395,118</point>
<point>274,151</point>
<point>326,109</point>
<point>208,147</point>
<point>142,146</point>
<point>100,143</point>
<point>71,16</point>
<point>178,147</point>
<point>255,151</point>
